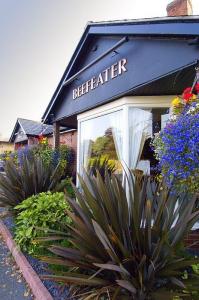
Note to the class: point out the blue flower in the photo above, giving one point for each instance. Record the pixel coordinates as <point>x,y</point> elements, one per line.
<point>179,156</point>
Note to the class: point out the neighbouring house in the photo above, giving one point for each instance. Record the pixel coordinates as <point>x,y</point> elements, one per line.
<point>28,132</point>
<point>116,90</point>
<point>6,146</point>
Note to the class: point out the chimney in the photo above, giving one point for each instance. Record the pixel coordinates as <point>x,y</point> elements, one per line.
<point>179,8</point>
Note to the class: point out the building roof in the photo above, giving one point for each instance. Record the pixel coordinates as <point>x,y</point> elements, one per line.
<point>185,27</point>
<point>35,128</point>
<point>31,128</point>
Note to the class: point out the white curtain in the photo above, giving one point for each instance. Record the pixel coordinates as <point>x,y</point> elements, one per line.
<point>86,143</point>
<point>86,154</point>
<point>140,129</point>
<point>116,126</point>
<point>164,120</point>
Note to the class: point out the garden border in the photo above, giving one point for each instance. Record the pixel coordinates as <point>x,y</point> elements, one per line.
<point>38,289</point>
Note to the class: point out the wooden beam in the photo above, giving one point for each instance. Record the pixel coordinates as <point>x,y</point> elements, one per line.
<point>56,135</point>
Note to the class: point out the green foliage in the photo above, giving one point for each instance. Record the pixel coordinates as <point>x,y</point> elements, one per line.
<point>66,186</point>
<point>64,156</point>
<point>101,164</point>
<point>38,214</point>
<point>126,244</point>
<point>196,268</point>
<point>8,155</point>
<point>43,151</point>
<point>33,176</point>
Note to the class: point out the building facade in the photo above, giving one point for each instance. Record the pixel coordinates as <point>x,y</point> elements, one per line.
<point>116,90</point>
<point>27,132</point>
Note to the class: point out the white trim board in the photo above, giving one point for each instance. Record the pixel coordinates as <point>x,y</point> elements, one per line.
<point>137,101</point>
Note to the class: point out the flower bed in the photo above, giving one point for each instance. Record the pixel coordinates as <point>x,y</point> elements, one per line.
<point>28,173</point>
<point>58,292</point>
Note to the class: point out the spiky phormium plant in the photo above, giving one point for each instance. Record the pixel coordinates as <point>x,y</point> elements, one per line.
<point>126,242</point>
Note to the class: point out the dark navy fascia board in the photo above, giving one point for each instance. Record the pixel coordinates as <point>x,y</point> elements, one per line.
<point>179,26</point>
<point>182,29</point>
<point>148,27</point>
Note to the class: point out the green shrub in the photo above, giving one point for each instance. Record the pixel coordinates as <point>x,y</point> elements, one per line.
<point>43,151</point>
<point>66,186</point>
<point>43,211</point>
<point>196,268</point>
<point>31,177</point>
<point>126,241</point>
<point>64,156</point>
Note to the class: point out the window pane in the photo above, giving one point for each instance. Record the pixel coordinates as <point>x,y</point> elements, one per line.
<point>102,137</point>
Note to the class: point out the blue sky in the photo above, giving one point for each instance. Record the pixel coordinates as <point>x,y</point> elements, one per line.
<point>37,39</point>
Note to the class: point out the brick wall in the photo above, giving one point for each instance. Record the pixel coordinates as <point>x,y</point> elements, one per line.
<point>33,141</point>
<point>193,238</point>
<point>68,138</point>
<point>179,8</point>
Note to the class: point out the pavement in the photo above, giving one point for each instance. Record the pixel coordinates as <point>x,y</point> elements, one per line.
<point>12,284</point>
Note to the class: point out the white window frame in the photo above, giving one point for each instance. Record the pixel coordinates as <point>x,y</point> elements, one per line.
<point>121,104</point>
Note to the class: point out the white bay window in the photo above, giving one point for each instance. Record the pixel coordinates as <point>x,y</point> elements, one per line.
<point>122,131</point>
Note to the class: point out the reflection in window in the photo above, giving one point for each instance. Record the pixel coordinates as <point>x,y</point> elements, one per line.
<point>102,137</point>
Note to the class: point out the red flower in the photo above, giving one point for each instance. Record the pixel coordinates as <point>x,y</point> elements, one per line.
<point>197,88</point>
<point>40,137</point>
<point>187,94</point>
<point>187,90</point>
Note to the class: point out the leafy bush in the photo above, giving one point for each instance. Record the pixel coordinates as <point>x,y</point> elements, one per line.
<point>8,155</point>
<point>126,242</point>
<point>37,215</point>
<point>66,186</point>
<point>64,156</point>
<point>44,152</point>
<point>196,268</point>
<point>27,179</point>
